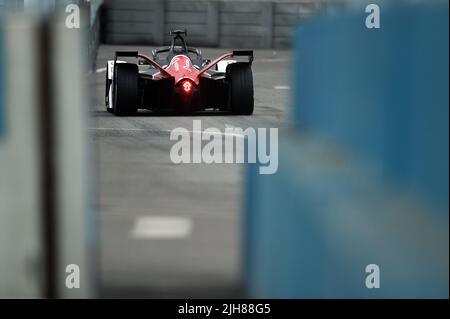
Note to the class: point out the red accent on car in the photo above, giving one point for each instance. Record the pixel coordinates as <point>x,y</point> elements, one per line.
<point>161,69</point>
<point>181,67</point>
<point>213,63</point>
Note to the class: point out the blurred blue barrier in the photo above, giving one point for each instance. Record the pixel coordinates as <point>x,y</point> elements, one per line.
<point>312,228</point>
<point>363,179</point>
<point>2,84</point>
<point>382,93</point>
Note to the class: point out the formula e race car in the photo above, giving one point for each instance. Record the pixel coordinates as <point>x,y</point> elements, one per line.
<point>178,78</point>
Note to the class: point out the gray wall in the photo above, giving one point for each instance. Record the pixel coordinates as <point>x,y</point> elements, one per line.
<point>255,24</point>
<point>47,6</point>
<point>11,5</point>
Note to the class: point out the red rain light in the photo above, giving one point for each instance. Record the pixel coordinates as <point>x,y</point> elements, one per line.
<point>187,86</point>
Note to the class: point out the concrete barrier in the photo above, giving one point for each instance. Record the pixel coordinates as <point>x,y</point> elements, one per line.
<point>237,24</point>
<point>363,176</point>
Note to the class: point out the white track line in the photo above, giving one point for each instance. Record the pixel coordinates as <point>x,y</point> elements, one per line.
<point>272,60</point>
<point>161,131</point>
<point>100,70</point>
<point>125,129</point>
<point>282,87</point>
<point>161,227</point>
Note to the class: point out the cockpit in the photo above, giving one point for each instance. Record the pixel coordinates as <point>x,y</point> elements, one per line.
<point>177,46</point>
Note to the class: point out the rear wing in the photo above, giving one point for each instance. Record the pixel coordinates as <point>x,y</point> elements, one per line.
<point>130,54</point>
<point>247,53</point>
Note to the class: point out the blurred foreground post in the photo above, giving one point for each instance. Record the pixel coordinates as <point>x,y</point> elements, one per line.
<point>46,217</point>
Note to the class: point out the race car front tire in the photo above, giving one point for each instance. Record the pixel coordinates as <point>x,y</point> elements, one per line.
<point>240,78</point>
<point>125,89</point>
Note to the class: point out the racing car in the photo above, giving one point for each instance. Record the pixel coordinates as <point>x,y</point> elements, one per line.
<point>178,78</point>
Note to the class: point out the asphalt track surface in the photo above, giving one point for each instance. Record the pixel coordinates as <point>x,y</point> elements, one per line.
<point>174,230</point>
